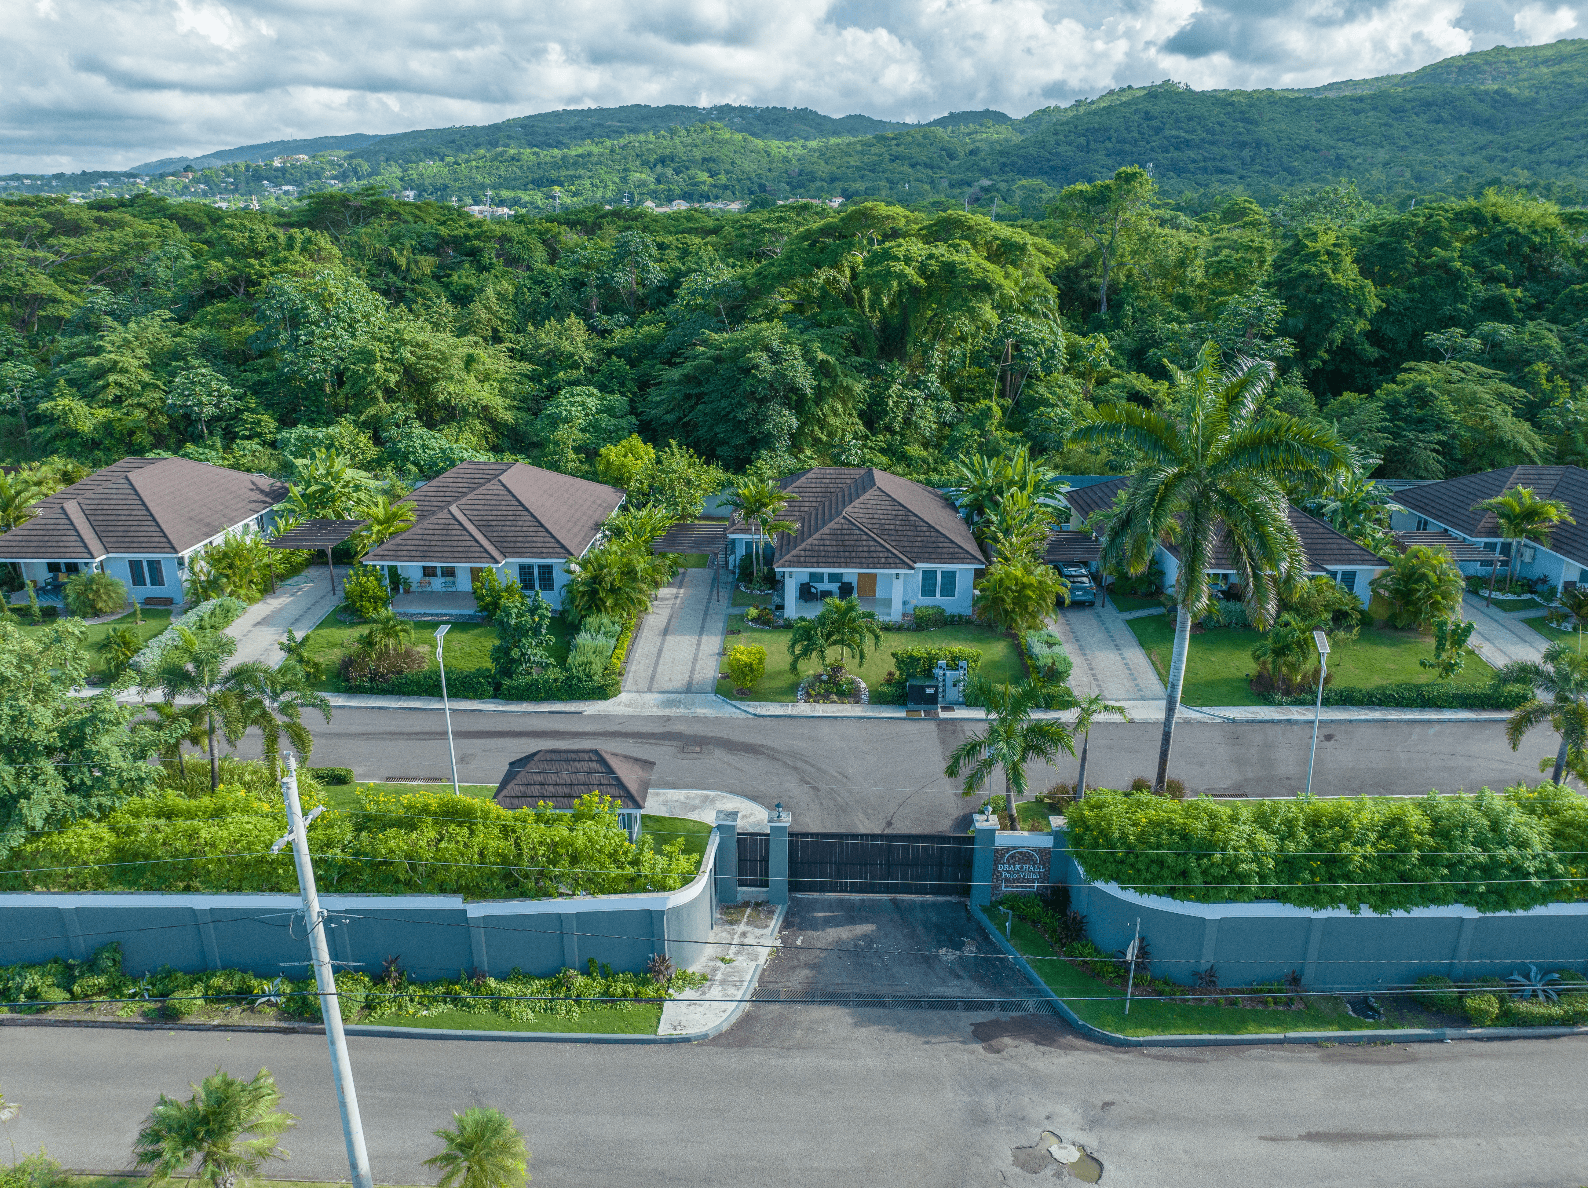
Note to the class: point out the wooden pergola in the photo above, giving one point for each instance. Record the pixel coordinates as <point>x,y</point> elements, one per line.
<point>316,535</point>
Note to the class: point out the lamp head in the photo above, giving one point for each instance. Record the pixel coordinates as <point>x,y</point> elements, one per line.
<point>1322,641</point>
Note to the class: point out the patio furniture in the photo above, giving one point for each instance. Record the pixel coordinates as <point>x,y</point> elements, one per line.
<point>846,589</point>
<point>808,592</point>
<point>424,584</point>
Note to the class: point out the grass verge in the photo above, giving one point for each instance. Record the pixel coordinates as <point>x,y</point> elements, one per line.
<point>1102,1004</point>
<point>692,560</point>
<point>468,646</point>
<point>1000,657</point>
<point>1219,661</point>
<point>1125,603</point>
<point>1554,634</point>
<point>640,1019</point>
<point>154,622</point>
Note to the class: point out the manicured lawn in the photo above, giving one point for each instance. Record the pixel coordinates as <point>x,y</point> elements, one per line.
<point>742,598</point>
<point>1553,633</point>
<point>1124,603</point>
<point>1517,604</point>
<point>643,1018</point>
<point>1103,1005</point>
<point>1001,660</point>
<point>154,622</point>
<point>1219,660</point>
<point>468,645</point>
<point>692,560</point>
<point>666,830</point>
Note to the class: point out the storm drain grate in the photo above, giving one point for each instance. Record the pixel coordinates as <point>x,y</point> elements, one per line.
<point>911,1002</point>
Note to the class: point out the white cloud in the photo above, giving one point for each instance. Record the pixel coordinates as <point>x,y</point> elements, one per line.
<point>99,83</point>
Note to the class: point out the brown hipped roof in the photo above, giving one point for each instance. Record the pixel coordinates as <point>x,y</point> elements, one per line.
<point>1451,502</point>
<point>560,777</point>
<point>141,505</point>
<point>482,513</point>
<point>1324,547</point>
<point>863,518</point>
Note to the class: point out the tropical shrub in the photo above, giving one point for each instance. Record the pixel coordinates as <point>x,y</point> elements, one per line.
<point>490,592</point>
<point>1019,595</point>
<point>1422,586</point>
<point>366,591</point>
<point>333,776</point>
<point>1438,993</point>
<point>410,843</point>
<point>1491,851</point>
<point>929,618</point>
<point>919,661</point>
<point>466,684</point>
<point>1229,613</point>
<point>1417,695</point>
<point>118,648</point>
<point>1321,602</point>
<point>1482,1009</point>
<point>214,615</point>
<point>840,626</point>
<point>614,580</point>
<point>746,665</point>
<point>90,594</point>
<point>523,637</point>
<point>1046,654</point>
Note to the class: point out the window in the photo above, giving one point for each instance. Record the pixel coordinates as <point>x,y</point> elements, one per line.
<point>156,572</point>
<point>449,571</point>
<point>1422,523</point>
<point>429,571</point>
<point>136,569</point>
<point>947,583</point>
<point>815,579</point>
<point>52,567</point>
<point>928,583</point>
<point>1348,580</point>
<point>526,577</point>
<point>546,577</point>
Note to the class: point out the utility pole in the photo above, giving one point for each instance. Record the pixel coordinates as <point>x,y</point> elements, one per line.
<point>314,919</point>
<point>446,705</point>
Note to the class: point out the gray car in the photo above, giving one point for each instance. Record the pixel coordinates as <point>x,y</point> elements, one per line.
<point>1083,591</point>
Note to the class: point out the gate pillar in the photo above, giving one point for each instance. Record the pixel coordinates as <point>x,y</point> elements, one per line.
<point>728,856</point>
<point>981,874</point>
<point>777,856</point>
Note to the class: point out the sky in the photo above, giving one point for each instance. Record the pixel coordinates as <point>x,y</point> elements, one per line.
<point>102,84</point>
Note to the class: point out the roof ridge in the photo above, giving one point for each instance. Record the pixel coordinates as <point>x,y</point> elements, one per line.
<point>479,537</point>
<point>890,548</point>
<point>154,519</point>
<point>78,519</point>
<point>561,543</point>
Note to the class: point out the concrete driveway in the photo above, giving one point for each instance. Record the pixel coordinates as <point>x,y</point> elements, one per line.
<point>298,604</point>
<point>1108,660</point>
<point>678,647</point>
<point>1499,637</point>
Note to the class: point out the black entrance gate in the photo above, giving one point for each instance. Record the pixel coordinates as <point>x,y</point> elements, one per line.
<point>865,863</point>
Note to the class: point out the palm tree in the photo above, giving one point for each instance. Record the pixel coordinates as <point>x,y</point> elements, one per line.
<point>1012,739</point>
<point>213,1126</point>
<point>1214,468</point>
<point>1091,706</point>
<point>613,580</point>
<point>178,725</point>
<point>639,527</point>
<point>1285,648</point>
<point>761,502</point>
<point>1521,515</point>
<point>1573,610</point>
<point>385,633</point>
<point>485,1151</point>
<point>18,494</point>
<point>232,700</point>
<point>1562,676</point>
<point>386,520</point>
<point>839,626</point>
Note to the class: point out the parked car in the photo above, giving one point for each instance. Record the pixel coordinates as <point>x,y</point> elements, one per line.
<point>1083,591</point>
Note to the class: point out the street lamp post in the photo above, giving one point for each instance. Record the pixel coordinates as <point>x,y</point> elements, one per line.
<point>447,706</point>
<point>1322,640</point>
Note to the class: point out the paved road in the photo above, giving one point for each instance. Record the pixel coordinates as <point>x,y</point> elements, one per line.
<point>825,1096</point>
<point>887,774</point>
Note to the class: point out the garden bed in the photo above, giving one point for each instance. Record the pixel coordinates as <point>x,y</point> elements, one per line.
<point>154,622</point>
<point>1219,663</point>
<point>468,648</point>
<point>1001,659</point>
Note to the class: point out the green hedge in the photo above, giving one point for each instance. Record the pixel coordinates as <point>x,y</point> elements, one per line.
<point>1492,851</point>
<point>466,684</point>
<point>169,993</point>
<point>919,662</point>
<point>333,776</point>
<point>1415,695</point>
<point>221,842</point>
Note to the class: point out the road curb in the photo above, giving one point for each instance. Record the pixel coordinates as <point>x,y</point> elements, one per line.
<point>1408,1035</point>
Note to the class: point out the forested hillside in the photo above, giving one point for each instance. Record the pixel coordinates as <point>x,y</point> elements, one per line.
<point>408,335</point>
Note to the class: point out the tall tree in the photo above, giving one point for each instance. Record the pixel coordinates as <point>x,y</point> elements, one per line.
<point>1107,214</point>
<point>1561,674</point>
<point>761,502</point>
<point>1091,707</point>
<point>1214,469</point>
<point>1012,740</point>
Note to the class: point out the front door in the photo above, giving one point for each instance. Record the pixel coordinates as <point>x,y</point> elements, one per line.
<point>474,576</point>
<point>866,585</point>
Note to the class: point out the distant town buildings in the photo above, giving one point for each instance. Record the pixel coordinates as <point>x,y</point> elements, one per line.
<point>295,159</point>
<point>486,212</point>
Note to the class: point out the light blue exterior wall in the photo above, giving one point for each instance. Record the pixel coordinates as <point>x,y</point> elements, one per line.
<point>1171,570</point>
<point>1546,563</point>
<point>507,571</point>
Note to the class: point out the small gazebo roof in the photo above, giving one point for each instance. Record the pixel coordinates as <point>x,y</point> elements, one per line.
<point>560,776</point>
<point>317,534</point>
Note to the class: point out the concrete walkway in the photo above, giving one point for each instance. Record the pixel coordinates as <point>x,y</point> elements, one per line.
<point>678,648</point>
<point>299,603</point>
<point>741,944</point>
<point>1501,637</point>
<point>1108,660</point>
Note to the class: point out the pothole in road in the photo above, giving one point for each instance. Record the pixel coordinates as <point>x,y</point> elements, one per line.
<point>1052,1156</point>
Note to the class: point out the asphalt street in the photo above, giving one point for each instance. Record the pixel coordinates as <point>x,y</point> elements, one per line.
<point>827,1096</point>
<point>887,775</point>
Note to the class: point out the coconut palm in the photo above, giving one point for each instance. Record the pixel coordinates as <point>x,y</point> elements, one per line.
<point>1092,706</point>
<point>1214,468</point>
<point>1521,515</point>
<point>385,520</point>
<point>1562,676</point>
<point>484,1151</point>
<point>761,502</point>
<point>1012,740</point>
<point>840,626</point>
<point>229,1125</point>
